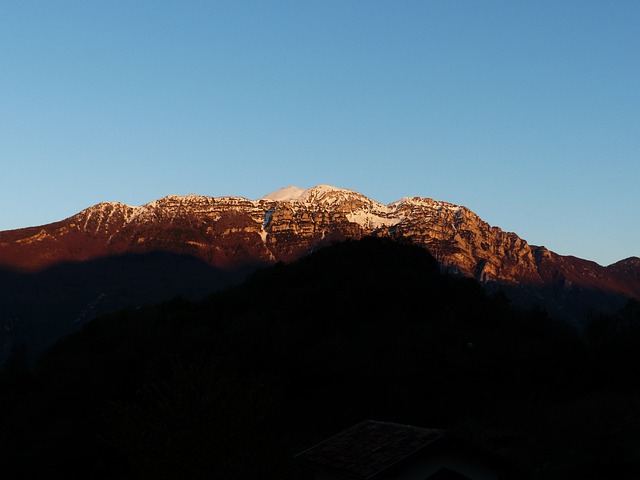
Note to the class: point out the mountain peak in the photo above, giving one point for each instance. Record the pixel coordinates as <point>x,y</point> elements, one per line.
<point>328,194</point>
<point>320,194</point>
<point>286,194</point>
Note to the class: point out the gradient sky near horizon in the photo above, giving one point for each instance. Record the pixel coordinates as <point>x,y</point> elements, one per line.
<point>526,112</point>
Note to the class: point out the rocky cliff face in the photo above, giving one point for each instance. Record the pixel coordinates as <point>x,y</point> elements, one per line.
<point>234,232</point>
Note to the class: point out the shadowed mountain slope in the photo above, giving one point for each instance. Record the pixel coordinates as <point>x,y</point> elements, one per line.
<point>40,307</point>
<point>232,386</point>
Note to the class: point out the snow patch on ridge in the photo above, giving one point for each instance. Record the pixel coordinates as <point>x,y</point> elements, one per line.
<point>371,220</point>
<point>423,201</point>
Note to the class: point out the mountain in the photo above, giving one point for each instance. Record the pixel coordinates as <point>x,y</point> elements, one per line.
<point>229,237</point>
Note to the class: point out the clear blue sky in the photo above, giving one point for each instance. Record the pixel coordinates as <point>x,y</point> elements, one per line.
<point>527,112</point>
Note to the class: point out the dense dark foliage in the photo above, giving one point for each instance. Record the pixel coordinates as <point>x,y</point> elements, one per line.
<point>235,385</point>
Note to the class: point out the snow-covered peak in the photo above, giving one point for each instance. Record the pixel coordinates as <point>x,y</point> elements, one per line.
<point>321,194</point>
<point>323,191</point>
<point>329,195</point>
<point>286,194</point>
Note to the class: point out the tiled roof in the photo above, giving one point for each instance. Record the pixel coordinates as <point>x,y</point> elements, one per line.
<point>370,447</point>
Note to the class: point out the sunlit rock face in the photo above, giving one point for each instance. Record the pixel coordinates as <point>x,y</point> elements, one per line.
<point>462,242</point>
<point>233,232</point>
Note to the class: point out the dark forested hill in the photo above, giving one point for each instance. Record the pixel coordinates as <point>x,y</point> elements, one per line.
<point>234,385</point>
<point>37,308</point>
